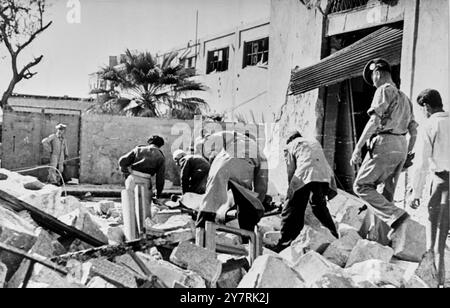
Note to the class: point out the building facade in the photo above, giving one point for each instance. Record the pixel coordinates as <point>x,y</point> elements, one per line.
<point>318,51</point>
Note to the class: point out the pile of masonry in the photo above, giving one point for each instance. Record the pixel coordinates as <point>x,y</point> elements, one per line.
<point>170,259</point>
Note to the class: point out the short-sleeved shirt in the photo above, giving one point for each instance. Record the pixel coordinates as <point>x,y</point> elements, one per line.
<point>394,109</point>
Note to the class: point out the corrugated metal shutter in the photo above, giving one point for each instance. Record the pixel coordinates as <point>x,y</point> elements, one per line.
<point>349,62</point>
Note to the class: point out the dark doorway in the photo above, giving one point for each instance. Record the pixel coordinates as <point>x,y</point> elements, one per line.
<point>346,109</point>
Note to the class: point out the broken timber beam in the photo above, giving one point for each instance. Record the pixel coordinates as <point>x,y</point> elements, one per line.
<point>33,258</point>
<point>47,221</point>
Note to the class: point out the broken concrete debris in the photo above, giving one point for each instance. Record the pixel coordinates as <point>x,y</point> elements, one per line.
<point>271,272</point>
<point>168,257</point>
<point>199,260</point>
<point>366,250</point>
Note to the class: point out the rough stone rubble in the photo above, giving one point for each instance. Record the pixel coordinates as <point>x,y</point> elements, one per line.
<point>170,259</point>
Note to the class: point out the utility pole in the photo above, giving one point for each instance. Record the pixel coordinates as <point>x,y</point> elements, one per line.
<point>196,39</point>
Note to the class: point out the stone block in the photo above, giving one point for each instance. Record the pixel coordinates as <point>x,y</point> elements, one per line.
<point>339,251</point>
<point>99,283</point>
<point>334,281</point>
<point>427,271</point>
<point>409,241</point>
<point>315,239</point>
<point>46,246</point>
<point>366,250</point>
<point>15,232</point>
<point>127,261</point>
<point>43,277</point>
<point>268,224</point>
<point>67,205</point>
<point>116,236</point>
<point>112,273</point>
<point>3,272</point>
<point>416,283</point>
<point>83,221</point>
<point>175,223</point>
<point>271,238</point>
<point>103,207</point>
<point>346,208</point>
<point>228,239</point>
<point>199,260</point>
<point>164,215</point>
<point>409,267</point>
<point>271,272</point>
<point>312,266</point>
<point>29,189</point>
<point>179,236</point>
<point>377,272</point>
<point>169,273</point>
<point>231,279</point>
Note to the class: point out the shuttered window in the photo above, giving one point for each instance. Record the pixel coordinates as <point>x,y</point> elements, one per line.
<point>350,62</point>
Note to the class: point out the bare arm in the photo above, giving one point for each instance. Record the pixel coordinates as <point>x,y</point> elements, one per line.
<point>126,161</point>
<point>369,131</point>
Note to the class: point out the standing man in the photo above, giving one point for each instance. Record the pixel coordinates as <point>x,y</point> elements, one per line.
<point>434,142</point>
<point>391,119</point>
<point>139,165</point>
<point>311,180</point>
<point>56,145</point>
<point>194,172</point>
<point>239,167</point>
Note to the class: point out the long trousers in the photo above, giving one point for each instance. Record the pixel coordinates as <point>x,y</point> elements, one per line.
<point>438,228</point>
<point>293,214</point>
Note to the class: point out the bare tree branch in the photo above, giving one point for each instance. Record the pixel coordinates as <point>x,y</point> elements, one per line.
<point>21,22</point>
<point>32,37</point>
<point>27,67</point>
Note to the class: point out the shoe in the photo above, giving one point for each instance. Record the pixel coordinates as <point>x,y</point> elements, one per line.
<point>396,225</point>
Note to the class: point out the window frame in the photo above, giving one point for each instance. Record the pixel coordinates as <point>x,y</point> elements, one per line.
<point>212,65</point>
<point>250,52</point>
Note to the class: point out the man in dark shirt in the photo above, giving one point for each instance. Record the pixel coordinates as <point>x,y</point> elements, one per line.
<point>194,172</point>
<point>139,165</point>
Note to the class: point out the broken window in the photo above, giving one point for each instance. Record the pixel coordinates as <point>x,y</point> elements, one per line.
<point>256,52</point>
<point>217,60</point>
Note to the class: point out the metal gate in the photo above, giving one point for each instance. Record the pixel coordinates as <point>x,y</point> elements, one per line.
<point>22,132</point>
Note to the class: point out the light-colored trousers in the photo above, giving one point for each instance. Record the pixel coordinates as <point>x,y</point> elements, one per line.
<point>130,184</point>
<point>382,167</point>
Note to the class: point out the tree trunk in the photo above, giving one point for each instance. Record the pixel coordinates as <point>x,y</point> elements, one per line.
<point>8,93</point>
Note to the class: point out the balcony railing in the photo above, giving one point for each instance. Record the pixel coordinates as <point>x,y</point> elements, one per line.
<point>344,5</point>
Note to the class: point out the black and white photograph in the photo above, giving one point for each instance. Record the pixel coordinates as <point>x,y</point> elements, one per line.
<point>241,146</point>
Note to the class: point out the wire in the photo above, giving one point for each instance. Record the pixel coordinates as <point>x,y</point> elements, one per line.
<point>28,169</point>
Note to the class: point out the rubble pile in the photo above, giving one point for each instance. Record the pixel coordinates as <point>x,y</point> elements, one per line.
<point>168,257</point>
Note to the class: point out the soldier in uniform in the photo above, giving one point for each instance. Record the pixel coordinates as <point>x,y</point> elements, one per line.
<point>391,120</point>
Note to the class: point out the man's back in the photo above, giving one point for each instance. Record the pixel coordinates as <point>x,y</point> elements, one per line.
<point>437,130</point>
<point>145,159</point>
<point>394,109</point>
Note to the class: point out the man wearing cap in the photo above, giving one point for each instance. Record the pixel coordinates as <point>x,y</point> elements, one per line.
<point>392,118</point>
<point>140,164</point>
<point>56,145</point>
<point>311,180</point>
<point>194,172</point>
<point>434,143</point>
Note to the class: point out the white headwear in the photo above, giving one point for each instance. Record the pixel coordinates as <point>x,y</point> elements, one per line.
<point>178,154</point>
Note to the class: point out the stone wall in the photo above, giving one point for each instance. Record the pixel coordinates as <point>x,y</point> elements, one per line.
<point>104,139</point>
<point>295,42</point>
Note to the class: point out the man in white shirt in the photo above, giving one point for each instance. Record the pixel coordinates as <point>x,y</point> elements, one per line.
<point>434,143</point>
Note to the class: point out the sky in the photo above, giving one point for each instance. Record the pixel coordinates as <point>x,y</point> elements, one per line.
<point>73,50</point>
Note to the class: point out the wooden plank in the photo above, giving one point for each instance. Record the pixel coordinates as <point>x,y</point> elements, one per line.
<point>47,221</point>
<point>33,259</point>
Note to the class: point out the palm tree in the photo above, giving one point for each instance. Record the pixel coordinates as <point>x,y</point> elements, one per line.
<point>142,87</point>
